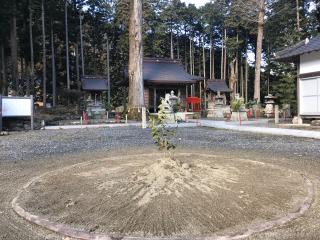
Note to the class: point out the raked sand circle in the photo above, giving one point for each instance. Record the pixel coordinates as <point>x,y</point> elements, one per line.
<point>147,196</point>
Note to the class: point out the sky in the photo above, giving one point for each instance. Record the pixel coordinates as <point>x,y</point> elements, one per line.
<point>198,3</point>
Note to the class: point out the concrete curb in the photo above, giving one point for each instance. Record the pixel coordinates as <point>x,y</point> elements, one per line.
<point>79,234</point>
<point>212,124</point>
<point>262,130</point>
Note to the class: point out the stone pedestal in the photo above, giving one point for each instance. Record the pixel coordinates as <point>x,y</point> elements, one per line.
<point>217,110</point>
<point>237,116</point>
<point>297,120</point>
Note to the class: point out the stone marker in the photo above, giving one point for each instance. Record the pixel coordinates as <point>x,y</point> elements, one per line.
<point>276,114</point>
<point>144,117</point>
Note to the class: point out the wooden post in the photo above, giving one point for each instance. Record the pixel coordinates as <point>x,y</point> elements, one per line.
<point>192,90</point>
<point>276,114</point>
<point>186,91</point>
<point>155,100</point>
<point>144,117</point>
<point>32,113</point>
<point>298,90</point>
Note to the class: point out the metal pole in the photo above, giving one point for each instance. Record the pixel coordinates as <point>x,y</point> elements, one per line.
<point>81,42</point>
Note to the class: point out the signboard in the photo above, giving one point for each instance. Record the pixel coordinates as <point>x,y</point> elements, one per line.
<point>16,107</point>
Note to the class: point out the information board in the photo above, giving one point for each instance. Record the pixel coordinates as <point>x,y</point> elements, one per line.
<point>16,107</point>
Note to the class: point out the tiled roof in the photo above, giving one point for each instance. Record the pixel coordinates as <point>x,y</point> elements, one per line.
<point>166,71</point>
<point>94,83</point>
<point>218,86</point>
<point>305,46</point>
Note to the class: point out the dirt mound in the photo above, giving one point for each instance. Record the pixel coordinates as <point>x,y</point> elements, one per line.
<point>148,195</point>
<point>167,177</point>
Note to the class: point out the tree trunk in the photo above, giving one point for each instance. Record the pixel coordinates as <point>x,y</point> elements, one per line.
<point>77,67</point>
<point>193,58</point>
<point>298,15</point>
<point>204,60</point>
<point>178,47</point>
<point>213,64</point>
<point>31,49</point>
<point>44,62</point>
<point>237,66</point>
<point>108,74</point>
<point>246,73</point>
<point>241,78</point>
<point>190,51</point>
<point>81,42</point>
<point>204,76</point>
<point>171,45</point>
<point>212,69</point>
<point>136,101</point>
<point>210,58</point>
<point>200,63</point>
<point>53,64</point>
<point>67,44</point>
<point>259,51</point>
<point>3,72</point>
<point>233,79</point>
<point>14,51</point>
<point>185,50</point>
<point>222,58</point>
<point>225,56</point>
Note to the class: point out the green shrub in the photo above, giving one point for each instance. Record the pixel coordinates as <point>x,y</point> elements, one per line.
<point>237,104</point>
<point>161,133</point>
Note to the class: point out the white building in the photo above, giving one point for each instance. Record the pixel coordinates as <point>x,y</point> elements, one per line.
<point>306,54</point>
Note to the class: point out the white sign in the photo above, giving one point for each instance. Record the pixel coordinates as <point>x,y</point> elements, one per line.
<point>16,107</point>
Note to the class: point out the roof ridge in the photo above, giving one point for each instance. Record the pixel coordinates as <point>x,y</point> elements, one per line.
<point>305,46</point>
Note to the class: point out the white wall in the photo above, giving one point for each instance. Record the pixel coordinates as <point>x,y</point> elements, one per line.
<point>310,62</point>
<point>310,96</point>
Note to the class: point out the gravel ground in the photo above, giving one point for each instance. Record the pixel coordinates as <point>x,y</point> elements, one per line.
<point>26,155</point>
